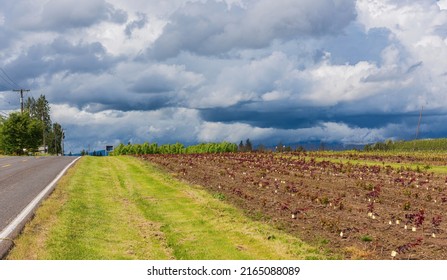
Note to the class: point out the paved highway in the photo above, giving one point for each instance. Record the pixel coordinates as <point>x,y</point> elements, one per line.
<point>21,180</point>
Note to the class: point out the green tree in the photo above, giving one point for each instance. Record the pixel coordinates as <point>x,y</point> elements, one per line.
<point>2,147</point>
<point>20,134</point>
<point>241,146</point>
<point>55,139</point>
<point>261,148</point>
<point>280,147</point>
<point>40,110</point>
<point>300,149</point>
<point>248,146</point>
<point>30,107</point>
<point>43,111</point>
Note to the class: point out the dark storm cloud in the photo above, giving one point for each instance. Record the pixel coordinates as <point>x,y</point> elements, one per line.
<point>211,28</point>
<point>433,126</point>
<point>97,103</point>
<point>93,92</point>
<point>105,99</point>
<point>61,56</point>
<point>154,81</point>
<point>153,84</point>
<point>60,15</point>
<point>300,118</point>
<point>305,117</point>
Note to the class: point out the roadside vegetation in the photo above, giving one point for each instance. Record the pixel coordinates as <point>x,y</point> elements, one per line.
<point>24,132</point>
<point>124,208</point>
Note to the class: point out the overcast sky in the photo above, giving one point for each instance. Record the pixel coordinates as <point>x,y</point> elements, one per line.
<point>198,71</point>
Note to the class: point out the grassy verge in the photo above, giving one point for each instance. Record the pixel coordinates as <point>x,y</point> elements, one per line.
<point>123,208</point>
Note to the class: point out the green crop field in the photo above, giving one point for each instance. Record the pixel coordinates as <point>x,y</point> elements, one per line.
<point>424,145</point>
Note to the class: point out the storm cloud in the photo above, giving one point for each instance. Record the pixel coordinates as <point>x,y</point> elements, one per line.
<point>191,71</point>
<point>213,28</point>
<point>61,15</point>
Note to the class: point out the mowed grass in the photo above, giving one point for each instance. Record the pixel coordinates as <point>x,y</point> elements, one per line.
<point>125,208</point>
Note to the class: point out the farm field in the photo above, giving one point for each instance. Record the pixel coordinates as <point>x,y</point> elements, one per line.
<point>424,160</point>
<point>109,208</point>
<point>359,205</point>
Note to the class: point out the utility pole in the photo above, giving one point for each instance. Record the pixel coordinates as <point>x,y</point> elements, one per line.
<point>419,122</point>
<point>43,136</point>
<point>21,97</point>
<point>62,142</point>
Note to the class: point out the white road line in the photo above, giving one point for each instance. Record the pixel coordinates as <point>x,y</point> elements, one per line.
<point>32,205</point>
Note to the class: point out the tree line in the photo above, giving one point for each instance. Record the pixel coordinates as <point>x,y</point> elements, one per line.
<point>424,145</point>
<point>24,132</point>
<point>177,148</point>
<point>280,147</point>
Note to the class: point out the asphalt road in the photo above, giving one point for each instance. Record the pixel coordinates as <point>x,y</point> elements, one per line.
<point>22,179</point>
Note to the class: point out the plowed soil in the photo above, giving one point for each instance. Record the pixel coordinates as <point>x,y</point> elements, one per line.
<point>354,211</point>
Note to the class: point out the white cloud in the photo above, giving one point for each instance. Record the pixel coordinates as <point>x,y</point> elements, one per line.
<point>245,82</point>
<point>420,29</point>
<point>442,4</point>
<point>215,132</point>
<point>118,43</point>
<point>332,84</point>
<point>275,95</point>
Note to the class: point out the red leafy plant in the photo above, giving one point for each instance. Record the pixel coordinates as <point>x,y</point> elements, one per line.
<point>408,246</point>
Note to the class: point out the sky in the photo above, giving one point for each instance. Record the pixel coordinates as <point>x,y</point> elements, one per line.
<point>188,71</point>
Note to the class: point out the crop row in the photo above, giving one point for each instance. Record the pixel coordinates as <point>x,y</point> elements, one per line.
<point>424,158</point>
<point>363,211</point>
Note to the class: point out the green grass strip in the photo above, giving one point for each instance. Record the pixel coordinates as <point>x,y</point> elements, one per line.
<point>124,208</point>
<point>413,166</point>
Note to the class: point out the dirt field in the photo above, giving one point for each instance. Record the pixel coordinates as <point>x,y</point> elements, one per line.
<point>356,211</point>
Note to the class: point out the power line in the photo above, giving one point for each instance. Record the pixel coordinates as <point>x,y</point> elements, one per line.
<point>13,84</point>
<point>7,98</point>
<point>11,81</point>
<point>8,83</point>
